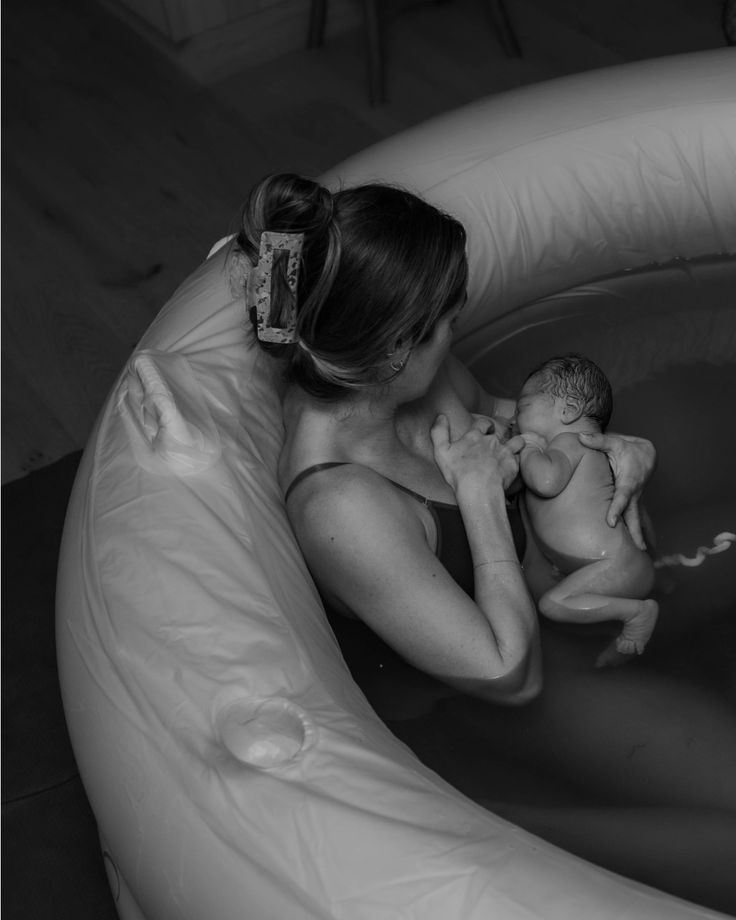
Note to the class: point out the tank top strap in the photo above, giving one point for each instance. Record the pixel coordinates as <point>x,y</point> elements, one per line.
<point>316,468</point>
<point>422,499</point>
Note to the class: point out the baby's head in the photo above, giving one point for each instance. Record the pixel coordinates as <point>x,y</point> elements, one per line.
<point>563,391</point>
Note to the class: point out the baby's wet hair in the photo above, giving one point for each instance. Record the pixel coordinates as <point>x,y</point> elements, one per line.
<point>578,380</point>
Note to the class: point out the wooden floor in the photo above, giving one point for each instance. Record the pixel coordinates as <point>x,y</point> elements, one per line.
<point>119,171</point>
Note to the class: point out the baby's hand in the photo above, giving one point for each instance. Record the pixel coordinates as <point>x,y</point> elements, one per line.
<point>532,439</point>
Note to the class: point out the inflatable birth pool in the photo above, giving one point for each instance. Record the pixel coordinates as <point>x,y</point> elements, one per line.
<point>235,770</point>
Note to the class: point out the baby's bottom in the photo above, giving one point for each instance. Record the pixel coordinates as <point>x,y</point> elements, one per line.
<point>614,588</point>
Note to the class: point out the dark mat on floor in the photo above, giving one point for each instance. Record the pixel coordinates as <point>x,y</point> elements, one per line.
<point>51,861</point>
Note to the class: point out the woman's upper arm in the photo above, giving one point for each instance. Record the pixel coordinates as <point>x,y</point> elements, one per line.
<point>366,551</point>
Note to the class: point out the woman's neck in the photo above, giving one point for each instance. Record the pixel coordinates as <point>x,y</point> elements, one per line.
<point>392,439</point>
<point>366,423</point>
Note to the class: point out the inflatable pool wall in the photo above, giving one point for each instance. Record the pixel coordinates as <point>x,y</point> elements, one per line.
<point>577,178</point>
<point>234,768</point>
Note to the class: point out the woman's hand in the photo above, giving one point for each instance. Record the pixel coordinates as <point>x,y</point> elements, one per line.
<point>632,461</point>
<point>477,452</point>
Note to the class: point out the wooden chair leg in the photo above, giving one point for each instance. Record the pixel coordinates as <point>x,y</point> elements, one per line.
<point>504,29</point>
<point>374,51</point>
<point>317,21</point>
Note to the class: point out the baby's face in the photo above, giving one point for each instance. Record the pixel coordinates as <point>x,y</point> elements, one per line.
<point>536,411</point>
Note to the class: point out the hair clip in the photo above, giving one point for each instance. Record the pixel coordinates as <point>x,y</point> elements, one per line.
<point>260,284</point>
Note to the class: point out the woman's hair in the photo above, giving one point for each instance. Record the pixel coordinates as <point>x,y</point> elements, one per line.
<point>579,381</point>
<point>379,267</point>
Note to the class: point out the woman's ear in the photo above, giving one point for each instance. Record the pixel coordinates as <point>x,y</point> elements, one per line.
<point>398,356</point>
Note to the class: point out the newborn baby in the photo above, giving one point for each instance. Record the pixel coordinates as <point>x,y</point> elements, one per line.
<point>603,574</point>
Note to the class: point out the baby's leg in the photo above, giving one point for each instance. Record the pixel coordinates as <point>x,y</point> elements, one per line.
<point>603,591</point>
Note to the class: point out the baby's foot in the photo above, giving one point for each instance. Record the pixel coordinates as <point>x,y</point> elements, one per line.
<point>638,630</point>
<point>633,638</point>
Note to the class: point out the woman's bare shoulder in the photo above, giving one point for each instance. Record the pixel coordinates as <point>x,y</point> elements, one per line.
<point>339,499</point>
<point>359,533</point>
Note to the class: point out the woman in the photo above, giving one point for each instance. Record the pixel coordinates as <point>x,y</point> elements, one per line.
<point>396,477</point>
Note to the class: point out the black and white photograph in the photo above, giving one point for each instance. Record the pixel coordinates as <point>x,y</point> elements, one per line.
<point>368,459</point>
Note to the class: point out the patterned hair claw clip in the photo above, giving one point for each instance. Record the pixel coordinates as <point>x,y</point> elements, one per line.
<point>260,286</point>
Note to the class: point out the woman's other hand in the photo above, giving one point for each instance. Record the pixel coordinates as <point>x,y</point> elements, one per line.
<point>632,461</point>
<point>480,451</point>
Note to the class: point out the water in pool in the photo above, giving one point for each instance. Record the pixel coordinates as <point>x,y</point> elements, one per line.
<point>674,380</point>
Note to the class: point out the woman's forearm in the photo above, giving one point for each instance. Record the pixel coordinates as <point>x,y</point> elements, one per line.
<point>502,595</point>
<point>478,465</point>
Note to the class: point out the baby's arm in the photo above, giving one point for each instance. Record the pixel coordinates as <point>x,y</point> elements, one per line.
<point>547,468</point>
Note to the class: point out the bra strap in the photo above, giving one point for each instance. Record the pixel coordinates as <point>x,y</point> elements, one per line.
<point>318,467</point>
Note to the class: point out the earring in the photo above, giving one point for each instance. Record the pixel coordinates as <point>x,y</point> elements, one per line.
<point>398,363</point>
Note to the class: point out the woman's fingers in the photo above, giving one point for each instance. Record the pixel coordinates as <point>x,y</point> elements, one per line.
<point>483,423</point>
<point>620,500</point>
<point>632,461</point>
<point>479,449</point>
<point>440,433</point>
<point>625,504</point>
<point>631,457</point>
<point>632,519</point>
<point>441,443</point>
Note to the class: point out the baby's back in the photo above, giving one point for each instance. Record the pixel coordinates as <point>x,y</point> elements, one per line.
<point>573,522</point>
